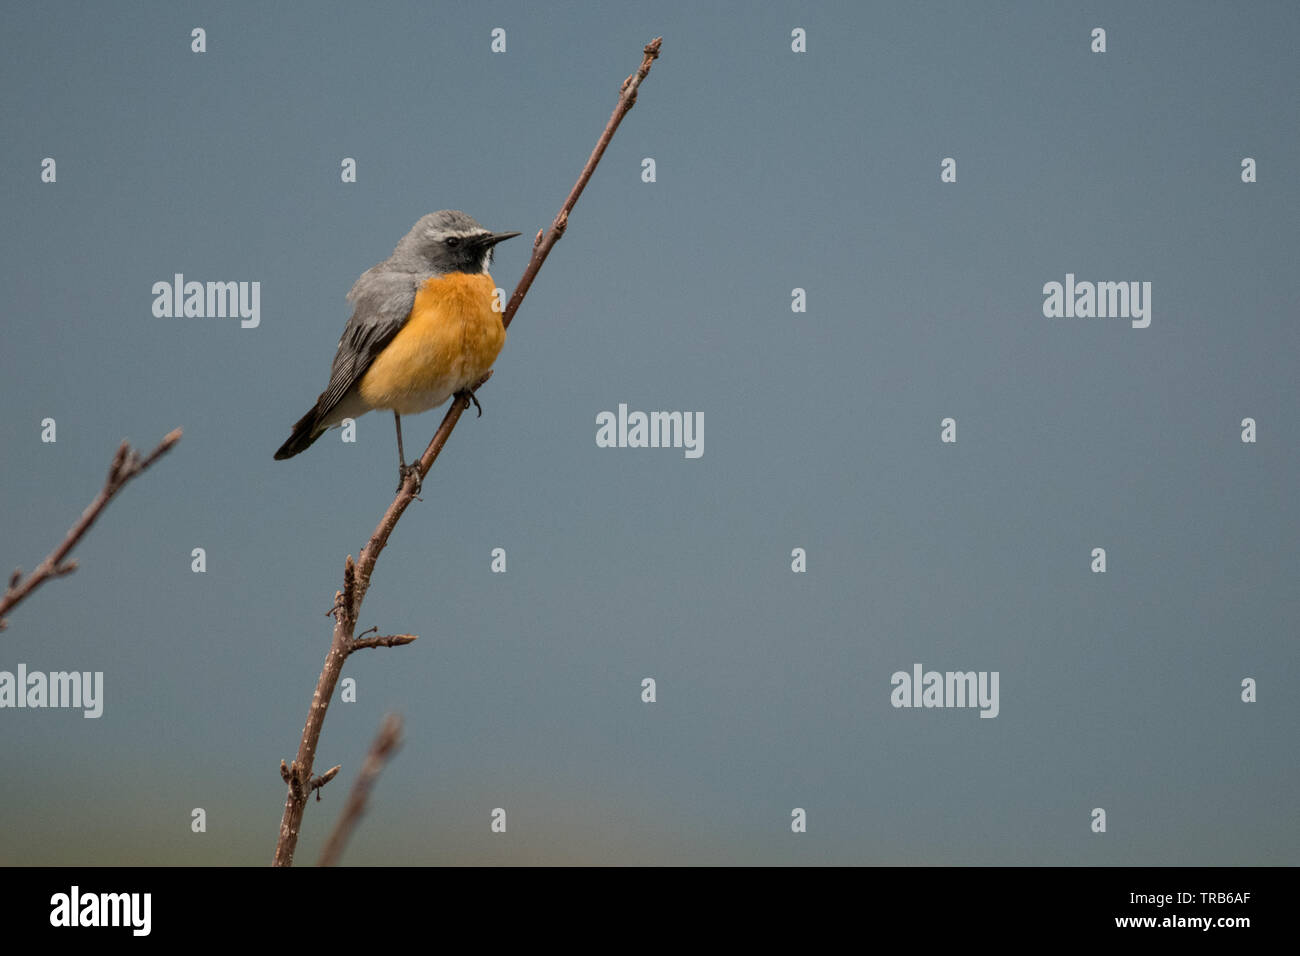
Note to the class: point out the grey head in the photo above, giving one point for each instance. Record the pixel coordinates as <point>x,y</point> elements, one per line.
<point>446,241</point>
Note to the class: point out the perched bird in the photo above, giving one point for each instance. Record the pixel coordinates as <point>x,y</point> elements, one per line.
<point>423,328</point>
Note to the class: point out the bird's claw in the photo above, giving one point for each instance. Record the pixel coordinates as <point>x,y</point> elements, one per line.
<point>474,398</point>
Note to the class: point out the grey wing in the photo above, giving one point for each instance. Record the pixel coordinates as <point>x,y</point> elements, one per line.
<point>383,302</point>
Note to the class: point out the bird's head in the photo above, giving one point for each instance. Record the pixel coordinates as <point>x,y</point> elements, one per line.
<point>448,241</point>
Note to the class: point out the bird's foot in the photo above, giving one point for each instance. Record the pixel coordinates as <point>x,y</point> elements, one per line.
<point>413,472</point>
<point>469,392</point>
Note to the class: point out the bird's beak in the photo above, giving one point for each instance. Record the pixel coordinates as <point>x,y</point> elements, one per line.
<point>494,238</point>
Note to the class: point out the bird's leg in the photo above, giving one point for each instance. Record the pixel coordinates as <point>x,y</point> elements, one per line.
<point>473,398</point>
<point>403,469</point>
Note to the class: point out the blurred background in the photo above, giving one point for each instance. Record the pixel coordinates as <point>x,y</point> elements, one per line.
<point>774,170</point>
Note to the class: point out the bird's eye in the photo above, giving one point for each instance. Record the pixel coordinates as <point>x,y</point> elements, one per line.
<point>452,241</point>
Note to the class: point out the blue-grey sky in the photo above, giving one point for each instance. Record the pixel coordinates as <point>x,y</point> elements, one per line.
<point>775,170</point>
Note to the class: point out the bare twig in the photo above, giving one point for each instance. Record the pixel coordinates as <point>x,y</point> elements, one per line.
<point>391,640</point>
<point>386,741</point>
<point>543,244</point>
<point>326,777</point>
<point>126,464</point>
<point>356,577</point>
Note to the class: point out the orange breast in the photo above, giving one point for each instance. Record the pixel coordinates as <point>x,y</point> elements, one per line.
<point>450,341</point>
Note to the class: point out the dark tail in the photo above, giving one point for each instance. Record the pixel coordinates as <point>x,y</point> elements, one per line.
<point>305,431</point>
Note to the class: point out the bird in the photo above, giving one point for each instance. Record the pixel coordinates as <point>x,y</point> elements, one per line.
<point>424,327</point>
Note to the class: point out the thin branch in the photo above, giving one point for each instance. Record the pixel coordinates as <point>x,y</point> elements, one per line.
<point>391,640</point>
<point>626,100</point>
<point>126,464</point>
<point>326,777</point>
<point>386,741</point>
<point>356,577</point>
